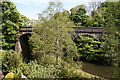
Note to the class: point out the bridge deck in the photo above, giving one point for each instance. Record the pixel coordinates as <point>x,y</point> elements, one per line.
<point>88,29</point>
<point>26,29</point>
<point>76,29</point>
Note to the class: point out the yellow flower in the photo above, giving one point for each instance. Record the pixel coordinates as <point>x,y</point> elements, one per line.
<point>10,75</point>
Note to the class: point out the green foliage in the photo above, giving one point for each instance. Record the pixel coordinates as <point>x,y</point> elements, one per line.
<point>107,15</point>
<point>51,35</point>
<point>39,71</point>
<point>74,9</point>
<point>111,13</point>
<point>111,47</point>
<point>25,21</point>
<point>98,19</point>
<point>106,52</point>
<point>79,16</point>
<point>1,40</point>
<point>10,59</point>
<point>52,45</point>
<point>67,70</point>
<point>48,59</point>
<point>88,47</point>
<point>11,62</point>
<point>46,67</point>
<point>11,21</point>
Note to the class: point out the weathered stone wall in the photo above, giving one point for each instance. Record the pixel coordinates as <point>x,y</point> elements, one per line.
<point>96,32</point>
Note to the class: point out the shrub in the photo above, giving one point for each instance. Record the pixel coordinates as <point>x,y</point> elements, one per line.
<point>26,70</point>
<point>49,59</point>
<point>46,67</point>
<point>40,71</point>
<point>11,62</point>
<point>67,70</point>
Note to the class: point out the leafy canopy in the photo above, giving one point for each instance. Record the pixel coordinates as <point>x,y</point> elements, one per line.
<point>51,33</point>
<point>11,21</point>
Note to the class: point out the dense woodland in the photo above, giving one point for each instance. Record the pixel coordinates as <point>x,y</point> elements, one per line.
<point>54,52</point>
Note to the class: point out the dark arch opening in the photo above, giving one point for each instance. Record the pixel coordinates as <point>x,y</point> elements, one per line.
<point>26,51</point>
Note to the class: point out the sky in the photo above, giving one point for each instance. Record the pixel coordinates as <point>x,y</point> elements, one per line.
<point>31,8</point>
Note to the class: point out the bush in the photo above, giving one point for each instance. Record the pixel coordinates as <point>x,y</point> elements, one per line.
<point>11,62</point>
<point>46,67</point>
<point>67,70</point>
<point>49,59</point>
<point>40,71</point>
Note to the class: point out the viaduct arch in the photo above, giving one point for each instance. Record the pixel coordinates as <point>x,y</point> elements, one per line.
<point>22,41</point>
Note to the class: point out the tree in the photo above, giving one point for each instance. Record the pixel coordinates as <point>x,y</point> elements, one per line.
<point>112,18</point>
<point>106,15</point>
<point>11,21</point>
<point>25,21</point>
<point>98,19</point>
<point>78,15</point>
<point>51,34</point>
<point>89,48</point>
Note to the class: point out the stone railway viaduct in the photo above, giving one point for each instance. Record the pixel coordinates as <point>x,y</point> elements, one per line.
<point>22,44</point>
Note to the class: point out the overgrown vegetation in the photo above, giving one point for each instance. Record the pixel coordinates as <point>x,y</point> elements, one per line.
<point>89,47</point>
<point>11,62</point>
<point>51,35</point>
<point>54,53</point>
<point>11,22</point>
